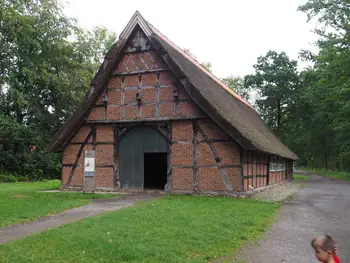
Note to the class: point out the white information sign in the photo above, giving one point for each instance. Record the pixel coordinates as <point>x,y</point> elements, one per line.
<point>89,164</point>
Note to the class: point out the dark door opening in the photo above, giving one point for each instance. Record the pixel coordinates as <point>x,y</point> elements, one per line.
<point>155,171</point>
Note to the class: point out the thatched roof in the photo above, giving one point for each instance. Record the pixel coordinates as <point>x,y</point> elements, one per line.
<point>232,113</point>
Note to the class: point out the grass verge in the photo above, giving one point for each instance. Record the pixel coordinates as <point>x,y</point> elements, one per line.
<point>335,174</point>
<point>22,202</point>
<point>300,177</point>
<point>169,229</point>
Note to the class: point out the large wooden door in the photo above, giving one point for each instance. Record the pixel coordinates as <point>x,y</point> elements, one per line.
<point>133,145</point>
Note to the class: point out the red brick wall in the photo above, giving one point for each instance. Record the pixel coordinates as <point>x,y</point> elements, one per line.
<point>104,133</point>
<point>77,179</point>
<point>210,177</point>
<point>104,177</point>
<point>81,134</point>
<point>255,171</point>
<point>210,180</point>
<point>182,179</point>
<point>277,177</point>
<point>104,156</point>
<point>69,156</point>
<point>156,90</point>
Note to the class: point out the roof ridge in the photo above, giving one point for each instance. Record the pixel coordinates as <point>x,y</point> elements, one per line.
<point>211,75</point>
<point>136,19</point>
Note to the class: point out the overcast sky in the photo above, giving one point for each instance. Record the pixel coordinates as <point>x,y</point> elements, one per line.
<point>229,34</point>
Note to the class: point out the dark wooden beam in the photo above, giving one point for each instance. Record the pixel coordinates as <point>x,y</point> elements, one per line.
<point>169,134</point>
<point>216,140</point>
<point>105,165</point>
<point>256,169</point>
<point>216,156</point>
<point>105,103</point>
<point>128,51</point>
<point>182,142</point>
<point>90,143</point>
<point>189,166</point>
<point>99,105</point>
<point>261,166</point>
<point>143,120</point>
<point>165,133</point>
<point>122,98</point>
<point>195,156</point>
<point>246,162</point>
<point>116,136</point>
<point>252,176</point>
<point>157,96</point>
<point>141,71</point>
<point>252,167</point>
<point>139,91</point>
<point>286,168</point>
<point>268,170</point>
<point>241,156</point>
<point>69,180</point>
<point>68,164</point>
<point>93,129</point>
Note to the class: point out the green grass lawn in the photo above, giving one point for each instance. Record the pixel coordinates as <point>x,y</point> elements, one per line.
<point>20,202</point>
<point>300,177</point>
<point>335,174</point>
<point>169,229</point>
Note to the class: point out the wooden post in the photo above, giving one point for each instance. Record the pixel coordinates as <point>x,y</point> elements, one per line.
<point>139,97</point>
<point>93,128</point>
<point>242,152</point>
<point>195,160</point>
<point>116,157</point>
<point>286,168</point>
<point>260,168</point>
<point>122,95</point>
<point>252,169</point>
<point>256,169</point>
<point>168,185</point>
<point>268,170</point>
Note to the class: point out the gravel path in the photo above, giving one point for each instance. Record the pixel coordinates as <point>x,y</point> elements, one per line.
<point>321,206</point>
<point>278,192</point>
<point>98,206</point>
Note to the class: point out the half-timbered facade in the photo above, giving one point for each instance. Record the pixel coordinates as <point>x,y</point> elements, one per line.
<point>156,119</point>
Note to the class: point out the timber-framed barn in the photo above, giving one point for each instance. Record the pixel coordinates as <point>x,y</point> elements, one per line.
<point>156,119</point>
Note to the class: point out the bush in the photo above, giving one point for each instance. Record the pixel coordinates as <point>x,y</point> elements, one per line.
<point>22,153</point>
<point>7,177</point>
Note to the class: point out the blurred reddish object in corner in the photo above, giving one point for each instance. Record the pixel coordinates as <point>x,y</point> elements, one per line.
<point>32,148</point>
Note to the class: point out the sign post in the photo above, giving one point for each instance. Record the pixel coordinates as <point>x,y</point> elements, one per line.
<point>89,183</point>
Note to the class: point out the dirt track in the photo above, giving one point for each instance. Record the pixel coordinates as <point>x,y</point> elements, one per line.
<point>321,206</point>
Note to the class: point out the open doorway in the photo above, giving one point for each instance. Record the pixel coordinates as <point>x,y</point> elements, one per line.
<point>155,170</point>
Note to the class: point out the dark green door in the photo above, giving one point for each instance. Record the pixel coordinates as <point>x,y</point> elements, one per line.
<point>133,145</point>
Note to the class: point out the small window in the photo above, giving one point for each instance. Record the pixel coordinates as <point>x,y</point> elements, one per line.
<point>277,164</point>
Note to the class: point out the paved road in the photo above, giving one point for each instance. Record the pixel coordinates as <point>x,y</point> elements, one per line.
<point>322,206</point>
<point>10,233</point>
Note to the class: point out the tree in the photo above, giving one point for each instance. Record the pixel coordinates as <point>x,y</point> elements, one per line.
<point>331,92</point>
<point>237,84</point>
<point>189,52</point>
<point>46,65</point>
<point>206,65</point>
<point>275,80</point>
